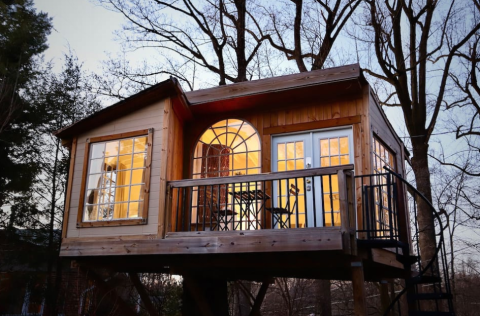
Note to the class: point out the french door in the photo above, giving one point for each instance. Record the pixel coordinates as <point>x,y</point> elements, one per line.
<point>313,202</point>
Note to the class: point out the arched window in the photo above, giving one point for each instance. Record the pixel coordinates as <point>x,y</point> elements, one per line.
<point>228,148</point>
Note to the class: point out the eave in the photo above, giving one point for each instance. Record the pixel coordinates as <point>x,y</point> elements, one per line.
<point>277,91</point>
<point>164,89</point>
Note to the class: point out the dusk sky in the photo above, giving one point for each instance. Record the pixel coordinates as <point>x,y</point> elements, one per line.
<point>84,27</point>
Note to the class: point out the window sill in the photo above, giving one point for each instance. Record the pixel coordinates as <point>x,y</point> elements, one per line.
<point>126,222</point>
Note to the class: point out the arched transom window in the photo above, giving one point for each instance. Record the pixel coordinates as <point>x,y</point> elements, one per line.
<point>228,148</point>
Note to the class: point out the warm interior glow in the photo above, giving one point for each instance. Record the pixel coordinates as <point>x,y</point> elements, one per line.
<point>227,148</point>
<point>116,179</point>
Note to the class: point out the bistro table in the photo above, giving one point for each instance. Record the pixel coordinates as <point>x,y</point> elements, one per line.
<point>245,199</point>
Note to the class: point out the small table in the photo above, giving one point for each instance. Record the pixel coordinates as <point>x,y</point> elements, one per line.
<point>247,198</point>
<point>224,218</point>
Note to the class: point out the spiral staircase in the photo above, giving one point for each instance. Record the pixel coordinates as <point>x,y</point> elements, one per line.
<point>426,290</point>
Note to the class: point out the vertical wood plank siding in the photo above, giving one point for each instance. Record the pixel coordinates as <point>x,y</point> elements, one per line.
<point>145,118</point>
<point>293,118</point>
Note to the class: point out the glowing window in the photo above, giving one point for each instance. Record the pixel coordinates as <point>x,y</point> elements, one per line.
<point>228,148</point>
<point>116,177</point>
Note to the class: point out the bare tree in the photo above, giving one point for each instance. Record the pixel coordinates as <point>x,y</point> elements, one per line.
<point>415,44</point>
<point>305,31</point>
<point>219,36</point>
<point>456,195</point>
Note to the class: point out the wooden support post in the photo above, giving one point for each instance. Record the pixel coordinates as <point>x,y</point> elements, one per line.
<point>384,296</point>
<point>210,295</point>
<point>198,296</point>
<point>143,294</point>
<point>260,296</point>
<point>108,292</point>
<point>358,283</point>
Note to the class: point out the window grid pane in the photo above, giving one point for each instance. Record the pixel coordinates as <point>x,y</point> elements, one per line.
<point>383,157</point>
<point>116,179</point>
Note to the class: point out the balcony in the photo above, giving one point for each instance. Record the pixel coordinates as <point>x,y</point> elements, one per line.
<point>309,209</point>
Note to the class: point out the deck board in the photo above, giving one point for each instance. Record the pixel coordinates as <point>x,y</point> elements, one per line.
<point>262,241</point>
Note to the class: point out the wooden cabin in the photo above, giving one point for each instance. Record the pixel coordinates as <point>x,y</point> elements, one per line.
<point>274,177</point>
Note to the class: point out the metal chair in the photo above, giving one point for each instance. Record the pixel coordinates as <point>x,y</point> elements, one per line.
<point>279,212</point>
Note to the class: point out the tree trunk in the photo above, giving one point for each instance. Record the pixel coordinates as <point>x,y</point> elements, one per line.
<point>240,49</point>
<point>324,298</point>
<point>425,218</point>
<point>51,297</point>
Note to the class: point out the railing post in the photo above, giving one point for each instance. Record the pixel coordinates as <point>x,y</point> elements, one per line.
<point>342,192</point>
<point>403,217</point>
<point>168,209</point>
<point>348,237</point>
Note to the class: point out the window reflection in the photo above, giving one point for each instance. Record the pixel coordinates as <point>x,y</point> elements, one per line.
<point>116,176</point>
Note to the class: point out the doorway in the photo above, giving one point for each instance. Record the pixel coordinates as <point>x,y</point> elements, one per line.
<point>316,201</point>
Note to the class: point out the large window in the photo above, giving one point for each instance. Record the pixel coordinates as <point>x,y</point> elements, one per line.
<point>116,179</point>
<point>385,212</point>
<point>228,148</point>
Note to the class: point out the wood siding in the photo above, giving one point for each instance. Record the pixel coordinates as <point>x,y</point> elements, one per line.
<point>148,117</point>
<point>342,112</point>
<point>383,130</point>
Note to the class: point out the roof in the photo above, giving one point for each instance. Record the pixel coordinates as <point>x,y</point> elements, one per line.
<point>270,92</point>
<point>137,101</point>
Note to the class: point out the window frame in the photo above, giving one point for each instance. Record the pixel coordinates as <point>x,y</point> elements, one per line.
<point>143,213</point>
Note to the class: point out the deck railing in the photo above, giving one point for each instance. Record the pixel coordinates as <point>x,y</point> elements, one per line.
<point>317,197</point>
<point>379,207</point>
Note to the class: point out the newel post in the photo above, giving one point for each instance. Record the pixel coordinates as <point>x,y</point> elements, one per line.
<point>342,193</point>
<point>167,211</point>
<point>347,215</point>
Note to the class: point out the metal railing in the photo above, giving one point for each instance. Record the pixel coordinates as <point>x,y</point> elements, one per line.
<point>379,207</point>
<point>429,277</point>
<point>316,197</point>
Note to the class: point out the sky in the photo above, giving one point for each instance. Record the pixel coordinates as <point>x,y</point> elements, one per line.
<point>84,27</point>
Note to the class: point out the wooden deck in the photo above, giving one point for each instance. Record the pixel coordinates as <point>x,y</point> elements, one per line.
<point>212,242</point>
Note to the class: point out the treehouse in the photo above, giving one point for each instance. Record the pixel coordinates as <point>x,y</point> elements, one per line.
<point>294,176</point>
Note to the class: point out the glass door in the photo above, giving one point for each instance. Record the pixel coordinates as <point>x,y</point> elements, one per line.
<point>310,150</point>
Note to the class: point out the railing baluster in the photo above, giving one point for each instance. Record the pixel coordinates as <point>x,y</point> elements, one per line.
<point>177,218</point>
<point>314,202</point>
<point>191,208</point>
<point>331,199</point>
<point>184,206</point>
<point>305,204</point>
<point>204,205</point>
<point>324,217</point>
<point>296,204</point>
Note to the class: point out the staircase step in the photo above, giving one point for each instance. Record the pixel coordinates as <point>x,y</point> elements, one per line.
<point>424,279</point>
<point>429,296</point>
<point>408,259</point>
<point>420,313</point>
<point>379,243</point>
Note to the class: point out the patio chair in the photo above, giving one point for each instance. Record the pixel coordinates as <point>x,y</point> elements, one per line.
<point>281,215</point>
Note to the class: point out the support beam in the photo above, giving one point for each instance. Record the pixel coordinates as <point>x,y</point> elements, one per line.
<point>109,292</point>
<point>143,294</point>
<point>260,296</point>
<point>358,283</point>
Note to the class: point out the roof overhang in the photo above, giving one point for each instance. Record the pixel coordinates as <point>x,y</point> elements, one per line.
<point>313,86</point>
<point>164,89</point>
<point>278,91</point>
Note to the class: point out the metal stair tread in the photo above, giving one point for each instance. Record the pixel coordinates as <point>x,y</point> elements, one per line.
<point>429,296</point>
<point>380,243</point>
<point>430,313</point>
<point>424,279</point>
<point>408,259</point>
